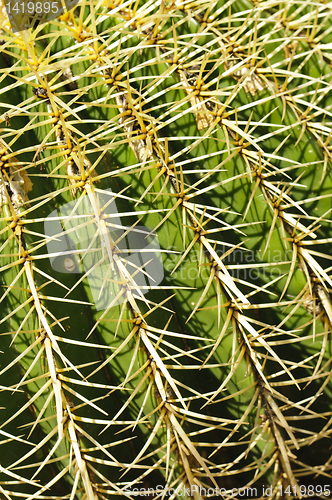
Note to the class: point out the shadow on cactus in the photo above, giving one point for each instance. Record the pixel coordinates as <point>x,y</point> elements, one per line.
<point>165,266</point>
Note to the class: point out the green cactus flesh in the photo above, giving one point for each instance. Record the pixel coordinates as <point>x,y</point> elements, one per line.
<point>180,154</point>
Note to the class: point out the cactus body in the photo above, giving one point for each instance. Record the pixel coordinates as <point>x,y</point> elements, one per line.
<point>165,267</point>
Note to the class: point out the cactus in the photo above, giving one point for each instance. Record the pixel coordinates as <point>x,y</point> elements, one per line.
<point>165,273</point>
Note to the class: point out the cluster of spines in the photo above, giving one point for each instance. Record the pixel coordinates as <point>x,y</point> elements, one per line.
<point>152,151</point>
